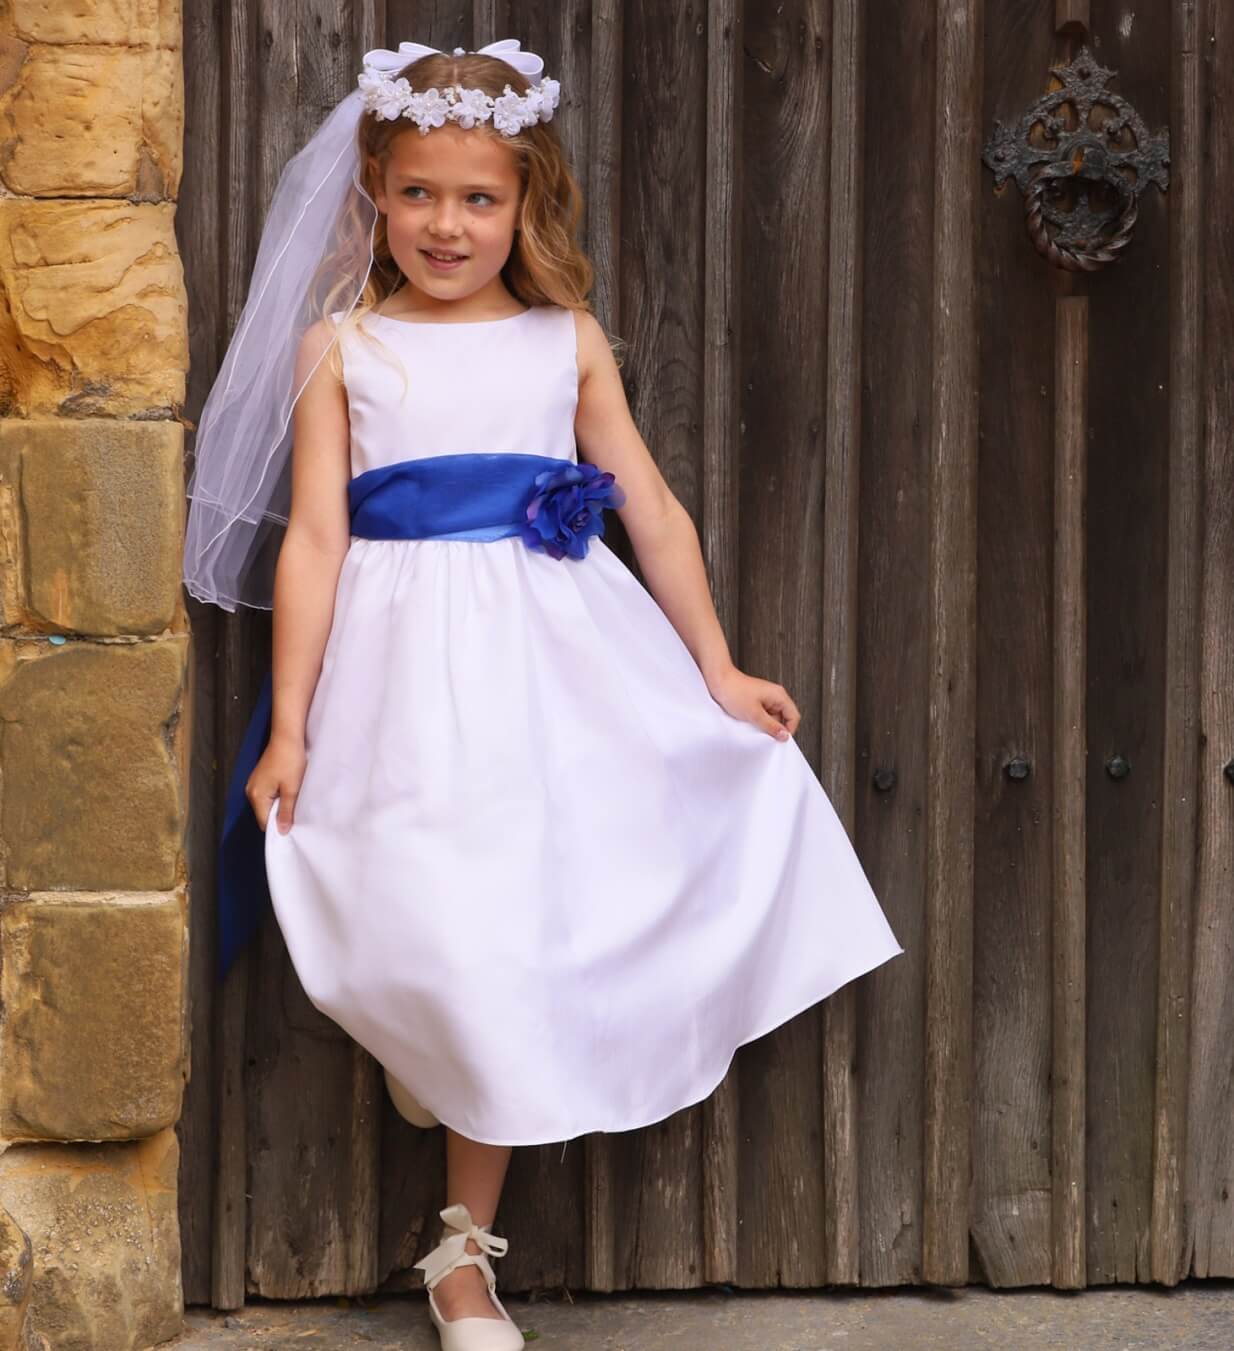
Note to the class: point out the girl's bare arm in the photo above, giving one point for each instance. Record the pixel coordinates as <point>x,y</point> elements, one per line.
<point>665,539</point>
<point>306,575</point>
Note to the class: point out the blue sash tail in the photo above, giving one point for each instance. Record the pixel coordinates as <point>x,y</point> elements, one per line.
<point>474,496</point>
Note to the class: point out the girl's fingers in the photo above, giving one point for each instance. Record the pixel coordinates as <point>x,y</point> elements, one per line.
<point>772,725</point>
<point>286,809</point>
<point>779,703</point>
<point>265,803</point>
<point>259,808</point>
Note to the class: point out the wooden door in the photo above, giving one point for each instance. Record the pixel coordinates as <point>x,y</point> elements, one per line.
<point>973,510</point>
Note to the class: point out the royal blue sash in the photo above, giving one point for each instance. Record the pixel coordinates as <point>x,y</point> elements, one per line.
<point>477,496</point>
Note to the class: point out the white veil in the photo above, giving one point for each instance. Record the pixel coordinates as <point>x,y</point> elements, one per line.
<point>316,243</point>
<point>240,486</point>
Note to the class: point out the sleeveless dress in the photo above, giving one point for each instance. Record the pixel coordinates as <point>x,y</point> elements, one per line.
<point>534,868</point>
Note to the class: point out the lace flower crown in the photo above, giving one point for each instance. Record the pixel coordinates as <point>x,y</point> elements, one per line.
<point>388,98</point>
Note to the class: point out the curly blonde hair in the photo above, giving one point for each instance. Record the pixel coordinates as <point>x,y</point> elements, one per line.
<point>546,266</point>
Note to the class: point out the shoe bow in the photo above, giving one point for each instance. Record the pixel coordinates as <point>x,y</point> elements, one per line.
<point>445,1256</point>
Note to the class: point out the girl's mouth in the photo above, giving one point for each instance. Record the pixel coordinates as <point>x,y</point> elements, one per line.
<point>443,260</point>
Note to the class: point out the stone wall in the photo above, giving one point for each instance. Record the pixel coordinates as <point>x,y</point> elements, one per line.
<point>93,667</point>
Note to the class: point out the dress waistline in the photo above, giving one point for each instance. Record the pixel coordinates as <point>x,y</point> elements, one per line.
<point>479,495</point>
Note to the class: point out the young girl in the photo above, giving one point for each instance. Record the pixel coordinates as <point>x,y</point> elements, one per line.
<point>531,837</point>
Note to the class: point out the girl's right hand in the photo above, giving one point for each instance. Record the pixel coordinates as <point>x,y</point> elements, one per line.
<point>277,774</point>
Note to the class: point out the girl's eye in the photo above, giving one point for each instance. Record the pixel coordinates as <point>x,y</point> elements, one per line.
<point>414,188</point>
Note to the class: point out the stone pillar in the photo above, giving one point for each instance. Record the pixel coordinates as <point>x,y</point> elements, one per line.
<point>93,667</point>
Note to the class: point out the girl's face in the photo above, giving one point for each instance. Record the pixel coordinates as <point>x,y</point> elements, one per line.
<point>455,191</point>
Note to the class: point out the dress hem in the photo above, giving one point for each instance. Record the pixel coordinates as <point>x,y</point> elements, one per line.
<point>777,1021</point>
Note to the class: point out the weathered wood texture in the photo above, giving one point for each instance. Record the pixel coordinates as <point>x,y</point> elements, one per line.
<point>892,669</point>
<point>841,502</point>
<point>1016,663</point>
<point>976,515</point>
<point>1128,496</point>
<point>1208,1166</point>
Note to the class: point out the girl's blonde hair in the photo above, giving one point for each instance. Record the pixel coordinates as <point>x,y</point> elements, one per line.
<point>546,266</point>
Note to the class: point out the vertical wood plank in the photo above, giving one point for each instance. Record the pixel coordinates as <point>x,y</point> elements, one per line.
<point>360,1114</point>
<point>952,581</point>
<point>196,1129</point>
<point>656,1171</point>
<point>720,522</point>
<point>369,23</point>
<point>198,237</point>
<point>413,1170</point>
<point>229,1031</point>
<point>603,184</point>
<point>1070,773</point>
<point>604,167</point>
<point>1181,788</point>
<point>897,372</point>
<point>573,23</point>
<point>786,139</point>
<point>235,684</point>
<point>1209,1249</point>
<point>487,16</point>
<point>1012,870</point>
<point>444,24</point>
<point>838,752</point>
<point>1128,492</point>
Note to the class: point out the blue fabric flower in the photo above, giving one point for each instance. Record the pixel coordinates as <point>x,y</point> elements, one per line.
<point>567,508</point>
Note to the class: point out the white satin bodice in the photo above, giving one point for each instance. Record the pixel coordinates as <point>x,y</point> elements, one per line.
<point>417,388</point>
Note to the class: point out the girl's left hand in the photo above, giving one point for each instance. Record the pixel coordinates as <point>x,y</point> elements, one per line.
<point>762,702</point>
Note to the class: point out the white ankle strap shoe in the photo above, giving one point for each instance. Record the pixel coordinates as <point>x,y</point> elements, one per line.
<point>468,1334</point>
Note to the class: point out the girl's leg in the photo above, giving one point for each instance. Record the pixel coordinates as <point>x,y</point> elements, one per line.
<point>475,1174</point>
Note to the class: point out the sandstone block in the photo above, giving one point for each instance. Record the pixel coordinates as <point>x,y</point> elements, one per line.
<point>94,1042</point>
<point>93,310</point>
<point>129,23</point>
<point>91,121</point>
<point>106,1240</point>
<point>94,524</point>
<point>92,760</point>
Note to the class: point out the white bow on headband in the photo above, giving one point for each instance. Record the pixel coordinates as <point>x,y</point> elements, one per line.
<point>507,50</point>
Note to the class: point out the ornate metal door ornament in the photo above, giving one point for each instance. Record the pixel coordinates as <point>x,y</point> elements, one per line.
<point>1081,156</point>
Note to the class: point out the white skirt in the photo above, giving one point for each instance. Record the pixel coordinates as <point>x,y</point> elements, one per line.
<point>535,869</point>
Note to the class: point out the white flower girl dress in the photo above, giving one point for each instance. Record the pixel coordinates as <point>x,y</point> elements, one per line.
<point>535,869</point>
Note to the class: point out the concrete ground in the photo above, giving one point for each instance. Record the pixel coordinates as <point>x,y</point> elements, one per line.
<point>1196,1315</point>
